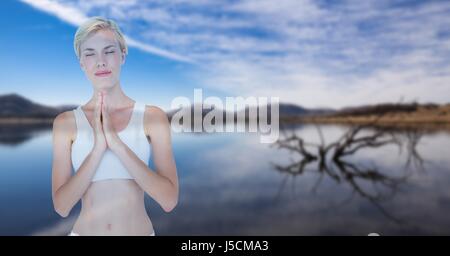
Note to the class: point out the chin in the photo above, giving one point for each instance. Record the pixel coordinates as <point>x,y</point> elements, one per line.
<point>103,85</point>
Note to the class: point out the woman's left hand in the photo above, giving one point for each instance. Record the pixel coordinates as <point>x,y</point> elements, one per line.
<point>112,139</point>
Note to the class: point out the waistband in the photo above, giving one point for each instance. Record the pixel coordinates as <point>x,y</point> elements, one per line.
<point>76,234</point>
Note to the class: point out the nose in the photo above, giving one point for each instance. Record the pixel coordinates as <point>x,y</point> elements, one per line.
<point>101,62</point>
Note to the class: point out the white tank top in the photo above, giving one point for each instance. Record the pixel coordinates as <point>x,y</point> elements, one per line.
<point>110,166</point>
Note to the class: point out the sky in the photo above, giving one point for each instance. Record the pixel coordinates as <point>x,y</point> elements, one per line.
<point>311,53</point>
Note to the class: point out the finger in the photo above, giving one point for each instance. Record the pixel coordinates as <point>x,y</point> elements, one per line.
<point>103,109</point>
<point>98,113</point>
<point>105,103</point>
<point>99,101</point>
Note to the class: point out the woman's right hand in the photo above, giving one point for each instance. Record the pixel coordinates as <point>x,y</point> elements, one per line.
<point>100,145</point>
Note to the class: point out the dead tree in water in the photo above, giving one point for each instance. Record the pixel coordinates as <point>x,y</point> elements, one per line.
<point>356,138</point>
<point>349,143</point>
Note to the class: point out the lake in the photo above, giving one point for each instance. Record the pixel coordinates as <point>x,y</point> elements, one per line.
<point>231,184</point>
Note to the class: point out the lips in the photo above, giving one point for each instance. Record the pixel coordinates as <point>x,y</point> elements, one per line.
<point>103,73</point>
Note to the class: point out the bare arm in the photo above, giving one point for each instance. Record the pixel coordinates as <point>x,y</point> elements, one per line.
<point>161,185</point>
<point>67,190</point>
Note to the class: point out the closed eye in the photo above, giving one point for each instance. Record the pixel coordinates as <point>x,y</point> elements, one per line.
<point>109,52</point>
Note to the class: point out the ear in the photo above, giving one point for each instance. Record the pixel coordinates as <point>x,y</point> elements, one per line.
<point>123,56</point>
<point>81,64</point>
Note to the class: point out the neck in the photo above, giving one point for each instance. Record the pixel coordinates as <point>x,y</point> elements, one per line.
<point>116,98</point>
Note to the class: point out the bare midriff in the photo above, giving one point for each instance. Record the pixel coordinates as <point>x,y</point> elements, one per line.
<point>113,207</point>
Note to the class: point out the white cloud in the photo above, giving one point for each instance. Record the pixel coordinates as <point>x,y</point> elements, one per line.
<point>346,53</point>
<point>74,16</point>
<point>65,13</point>
<point>155,50</point>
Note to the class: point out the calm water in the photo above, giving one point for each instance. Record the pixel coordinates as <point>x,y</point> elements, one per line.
<point>230,184</point>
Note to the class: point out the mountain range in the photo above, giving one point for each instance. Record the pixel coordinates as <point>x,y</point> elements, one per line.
<point>16,106</point>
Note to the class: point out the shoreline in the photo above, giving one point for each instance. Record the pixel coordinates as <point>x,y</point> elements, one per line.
<point>388,122</point>
<point>393,121</point>
<point>26,120</point>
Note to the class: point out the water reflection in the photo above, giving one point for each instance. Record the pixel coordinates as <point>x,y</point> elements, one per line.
<point>14,134</point>
<point>331,160</point>
<point>230,185</point>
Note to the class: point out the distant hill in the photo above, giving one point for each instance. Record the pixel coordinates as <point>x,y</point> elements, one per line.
<point>285,110</point>
<point>16,106</point>
<point>388,114</point>
<point>384,108</point>
<point>295,110</point>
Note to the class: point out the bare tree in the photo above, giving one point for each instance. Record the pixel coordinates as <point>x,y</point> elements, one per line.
<point>357,137</point>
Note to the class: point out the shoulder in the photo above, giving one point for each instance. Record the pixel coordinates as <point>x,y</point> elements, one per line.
<point>155,112</point>
<point>65,124</point>
<point>155,119</point>
<point>63,118</point>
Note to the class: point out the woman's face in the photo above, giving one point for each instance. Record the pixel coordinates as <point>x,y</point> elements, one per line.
<point>101,59</point>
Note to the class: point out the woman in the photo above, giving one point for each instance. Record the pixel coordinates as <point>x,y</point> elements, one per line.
<point>107,142</point>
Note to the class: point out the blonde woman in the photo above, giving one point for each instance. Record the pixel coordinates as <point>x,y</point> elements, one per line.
<point>108,141</point>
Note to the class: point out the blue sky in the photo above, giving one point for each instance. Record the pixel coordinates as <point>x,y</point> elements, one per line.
<point>312,53</point>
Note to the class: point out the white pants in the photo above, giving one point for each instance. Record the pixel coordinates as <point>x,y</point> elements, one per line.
<point>75,234</point>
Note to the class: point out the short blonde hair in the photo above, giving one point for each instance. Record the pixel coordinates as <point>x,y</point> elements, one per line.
<point>93,25</point>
